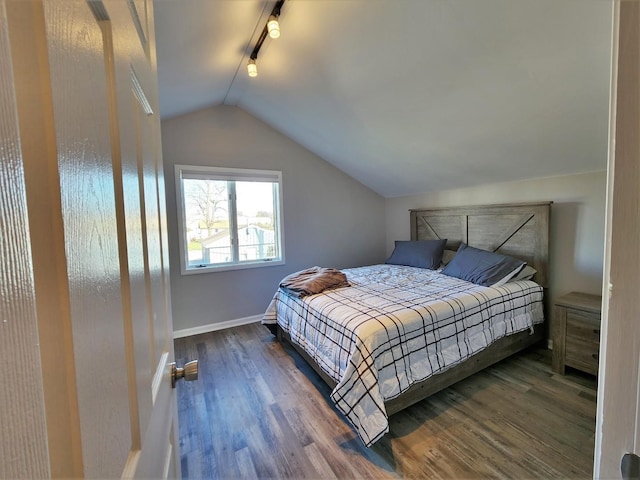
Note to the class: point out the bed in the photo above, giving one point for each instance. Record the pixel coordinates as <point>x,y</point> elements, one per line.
<point>399,333</point>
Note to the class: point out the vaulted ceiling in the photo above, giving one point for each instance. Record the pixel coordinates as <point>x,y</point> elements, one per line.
<point>406,96</point>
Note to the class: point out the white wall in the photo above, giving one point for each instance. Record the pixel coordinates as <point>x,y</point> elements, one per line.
<point>577,222</point>
<point>329,219</point>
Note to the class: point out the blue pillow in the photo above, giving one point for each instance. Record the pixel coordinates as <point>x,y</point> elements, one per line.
<point>418,253</point>
<point>482,267</point>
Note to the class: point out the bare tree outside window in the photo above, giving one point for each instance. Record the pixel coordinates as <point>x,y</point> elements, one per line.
<point>207,201</point>
<point>207,220</point>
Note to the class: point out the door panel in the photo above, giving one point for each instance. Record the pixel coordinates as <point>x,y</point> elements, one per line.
<point>22,395</point>
<point>91,157</point>
<point>141,153</point>
<point>149,199</point>
<point>119,38</point>
<point>81,111</point>
<point>618,390</point>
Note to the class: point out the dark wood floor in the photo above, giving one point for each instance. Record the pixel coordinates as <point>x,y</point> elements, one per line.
<point>259,411</point>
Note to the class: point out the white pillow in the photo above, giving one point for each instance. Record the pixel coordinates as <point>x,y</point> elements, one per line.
<point>526,273</point>
<point>510,276</point>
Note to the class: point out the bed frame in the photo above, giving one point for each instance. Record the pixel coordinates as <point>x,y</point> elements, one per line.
<point>519,230</point>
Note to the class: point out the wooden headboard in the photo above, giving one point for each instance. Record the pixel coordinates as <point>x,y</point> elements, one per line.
<point>519,230</point>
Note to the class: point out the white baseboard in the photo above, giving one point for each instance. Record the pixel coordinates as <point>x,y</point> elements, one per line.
<point>212,327</point>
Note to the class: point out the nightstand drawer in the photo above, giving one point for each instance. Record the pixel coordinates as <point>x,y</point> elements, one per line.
<point>583,325</point>
<point>576,332</point>
<point>582,354</point>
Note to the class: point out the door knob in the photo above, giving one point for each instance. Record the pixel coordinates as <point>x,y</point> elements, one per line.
<point>630,466</point>
<point>189,372</point>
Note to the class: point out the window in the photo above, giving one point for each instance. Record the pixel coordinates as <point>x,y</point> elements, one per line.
<point>228,218</point>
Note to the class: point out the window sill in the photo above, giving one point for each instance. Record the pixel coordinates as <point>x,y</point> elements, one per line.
<point>235,266</point>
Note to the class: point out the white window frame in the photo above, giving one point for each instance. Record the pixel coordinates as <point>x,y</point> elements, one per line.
<point>224,173</point>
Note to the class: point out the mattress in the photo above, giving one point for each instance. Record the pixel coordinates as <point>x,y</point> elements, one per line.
<point>395,326</point>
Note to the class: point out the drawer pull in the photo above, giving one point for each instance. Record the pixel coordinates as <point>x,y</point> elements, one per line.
<point>595,356</point>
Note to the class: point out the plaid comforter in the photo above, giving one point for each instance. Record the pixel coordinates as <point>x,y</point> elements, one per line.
<point>396,326</point>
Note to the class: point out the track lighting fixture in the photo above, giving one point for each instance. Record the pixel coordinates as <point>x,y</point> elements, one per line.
<point>252,68</point>
<point>272,28</point>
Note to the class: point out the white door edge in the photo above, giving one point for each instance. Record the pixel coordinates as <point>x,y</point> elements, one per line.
<point>132,464</point>
<point>157,377</point>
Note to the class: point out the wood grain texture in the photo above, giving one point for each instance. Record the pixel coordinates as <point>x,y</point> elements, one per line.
<point>124,38</point>
<point>576,332</point>
<point>36,118</point>
<point>559,333</point>
<point>74,115</point>
<point>581,301</point>
<point>259,411</point>
<point>81,110</point>
<point>519,230</point>
<point>23,436</point>
<point>145,231</point>
<point>137,384</point>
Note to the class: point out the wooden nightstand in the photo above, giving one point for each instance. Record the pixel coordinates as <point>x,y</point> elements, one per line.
<point>576,332</point>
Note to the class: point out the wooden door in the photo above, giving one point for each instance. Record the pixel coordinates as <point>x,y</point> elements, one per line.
<point>618,412</point>
<point>23,441</point>
<point>85,95</point>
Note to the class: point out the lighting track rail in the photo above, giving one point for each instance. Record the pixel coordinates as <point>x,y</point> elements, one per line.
<point>272,28</point>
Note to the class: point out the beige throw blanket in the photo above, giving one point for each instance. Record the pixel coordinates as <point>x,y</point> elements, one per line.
<point>313,280</point>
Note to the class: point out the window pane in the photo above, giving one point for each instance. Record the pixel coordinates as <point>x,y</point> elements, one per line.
<point>207,222</point>
<point>230,219</point>
<point>256,221</point>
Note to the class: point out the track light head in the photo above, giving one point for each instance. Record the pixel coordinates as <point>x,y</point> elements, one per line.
<point>252,68</point>
<point>273,27</point>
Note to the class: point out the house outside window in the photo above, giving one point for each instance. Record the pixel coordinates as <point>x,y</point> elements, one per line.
<point>228,218</point>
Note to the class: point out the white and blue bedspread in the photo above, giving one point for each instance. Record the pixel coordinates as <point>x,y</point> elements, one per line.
<point>396,326</point>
